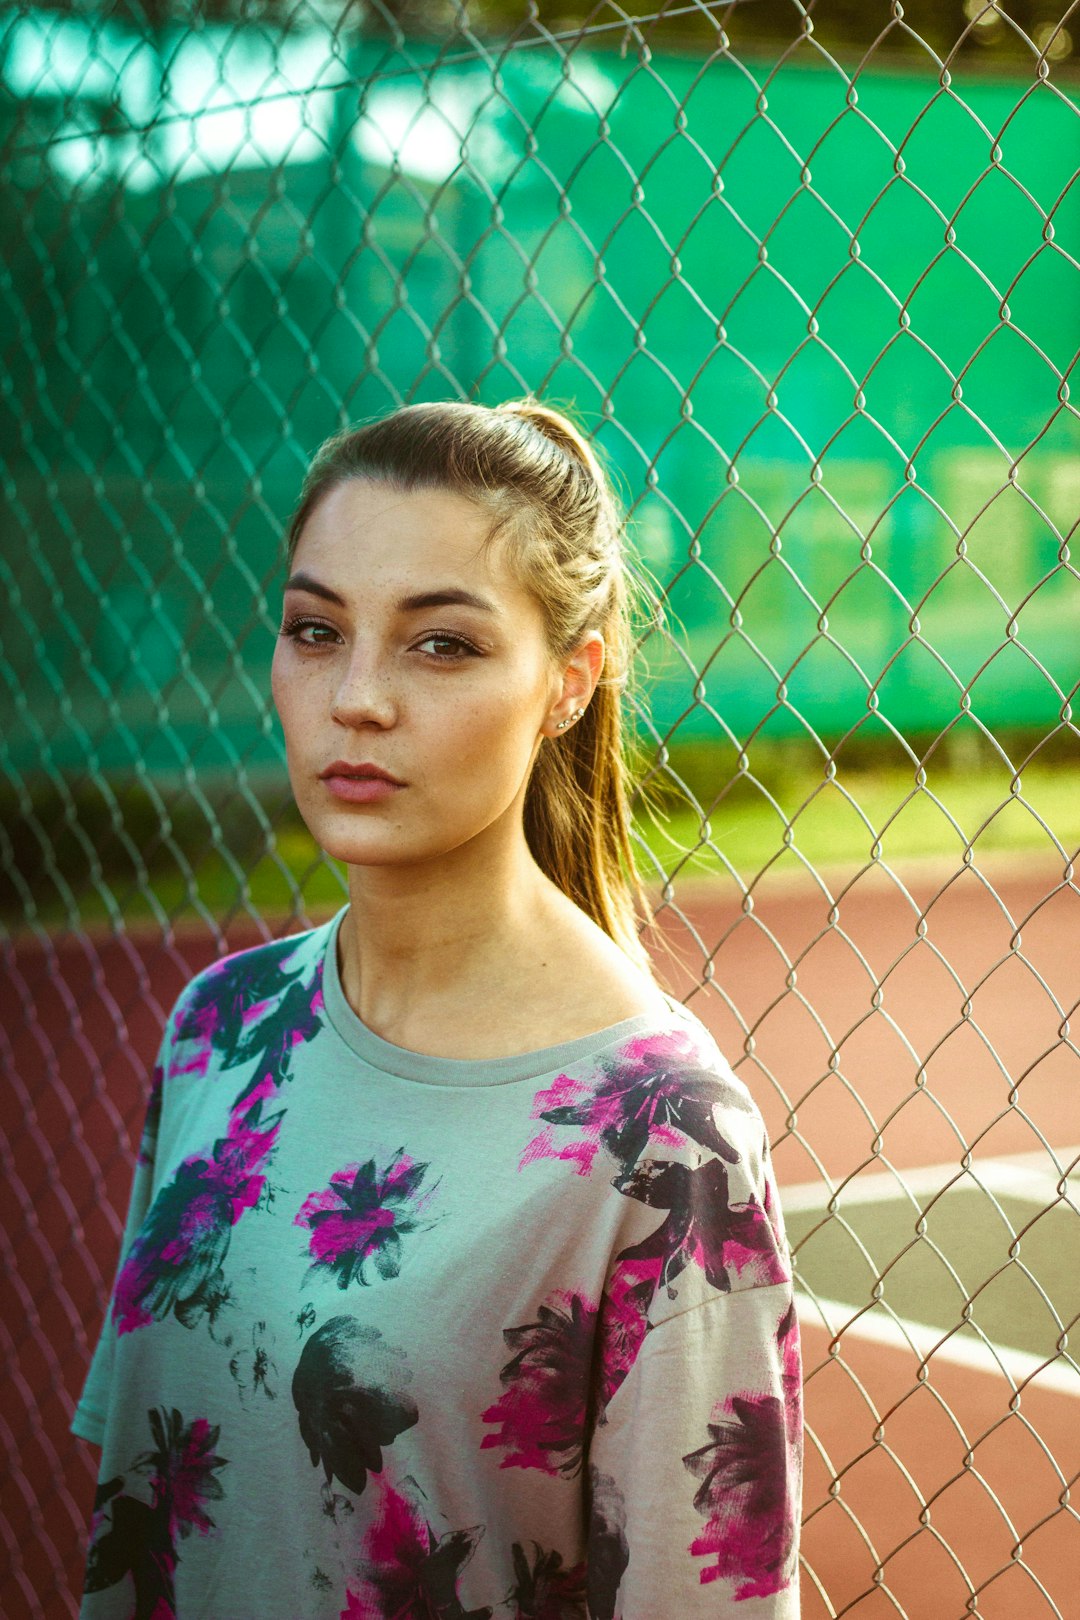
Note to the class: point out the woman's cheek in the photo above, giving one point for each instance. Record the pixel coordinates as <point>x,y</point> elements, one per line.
<point>284,695</point>
<point>303,692</point>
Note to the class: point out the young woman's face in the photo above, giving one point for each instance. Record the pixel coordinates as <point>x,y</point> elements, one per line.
<point>393,670</point>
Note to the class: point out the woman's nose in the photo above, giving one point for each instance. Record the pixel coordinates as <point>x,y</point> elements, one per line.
<point>365,692</point>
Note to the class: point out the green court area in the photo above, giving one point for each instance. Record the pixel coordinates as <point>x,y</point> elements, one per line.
<point>798,817</point>
<point>1016,1260</point>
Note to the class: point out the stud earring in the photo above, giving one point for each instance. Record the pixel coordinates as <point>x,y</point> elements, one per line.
<point>577,714</point>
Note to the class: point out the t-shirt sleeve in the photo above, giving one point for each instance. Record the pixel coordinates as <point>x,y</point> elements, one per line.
<point>88,1421</point>
<point>695,1474</point>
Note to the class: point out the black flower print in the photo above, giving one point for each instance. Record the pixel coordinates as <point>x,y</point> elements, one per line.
<point>607,1551</point>
<point>411,1572</point>
<point>130,1537</point>
<point>253,1370</point>
<point>349,1389</point>
<point>543,1589</point>
<point>702,1228</point>
<point>359,1221</point>
<point>750,1472</point>
<point>134,1537</point>
<point>226,1010</point>
<point>543,1414</point>
<point>652,1091</point>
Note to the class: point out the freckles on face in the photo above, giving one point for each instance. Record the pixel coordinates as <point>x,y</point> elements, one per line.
<point>430,662</point>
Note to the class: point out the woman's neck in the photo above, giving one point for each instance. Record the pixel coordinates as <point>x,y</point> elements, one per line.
<point>419,942</point>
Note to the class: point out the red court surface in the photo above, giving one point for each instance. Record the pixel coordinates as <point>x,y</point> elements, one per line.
<point>867,1039</point>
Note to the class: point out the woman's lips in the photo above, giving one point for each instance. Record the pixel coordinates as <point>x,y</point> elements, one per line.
<point>361,789</point>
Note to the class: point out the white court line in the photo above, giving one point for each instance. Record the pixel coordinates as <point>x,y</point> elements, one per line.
<point>1030,1176</point>
<point>1061,1377</point>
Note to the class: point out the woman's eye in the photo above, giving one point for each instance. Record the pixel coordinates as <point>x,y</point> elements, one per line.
<point>294,627</point>
<point>462,649</point>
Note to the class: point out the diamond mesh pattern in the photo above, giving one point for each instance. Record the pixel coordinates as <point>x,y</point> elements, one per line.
<point>813,280</point>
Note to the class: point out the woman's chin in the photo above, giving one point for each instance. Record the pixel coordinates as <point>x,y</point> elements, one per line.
<point>368,852</point>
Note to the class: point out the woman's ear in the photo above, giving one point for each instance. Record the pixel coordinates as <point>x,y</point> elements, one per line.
<point>580,674</point>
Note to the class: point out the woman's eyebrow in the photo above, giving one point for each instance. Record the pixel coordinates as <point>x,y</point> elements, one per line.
<point>314,587</point>
<point>447,596</point>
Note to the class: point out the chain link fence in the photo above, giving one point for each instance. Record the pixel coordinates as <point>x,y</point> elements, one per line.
<point>811,276</point>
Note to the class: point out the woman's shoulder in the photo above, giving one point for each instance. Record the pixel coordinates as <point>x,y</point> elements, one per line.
<point>659,1116</point>
<point>597,984</point>
<point>670,1060</point>
<point>678,1050</point>
<point>231,993</point>
<point>662,1087</point>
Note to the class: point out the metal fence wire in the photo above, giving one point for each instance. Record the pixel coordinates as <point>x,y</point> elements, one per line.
<point>811,275</point>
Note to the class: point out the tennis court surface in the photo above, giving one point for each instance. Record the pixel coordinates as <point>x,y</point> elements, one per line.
<point>911,1053</point>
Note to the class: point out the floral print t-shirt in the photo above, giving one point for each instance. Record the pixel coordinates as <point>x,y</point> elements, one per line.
<point>402,1336</point>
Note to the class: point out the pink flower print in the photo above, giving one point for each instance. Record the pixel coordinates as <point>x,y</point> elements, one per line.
<point>544,1411</point>
<point>362,1217</point>
<point>410,1571</point>
<point>249,1006</point>
<point>175,1263</point>
<point>566,1368</point>
<point>654,1091</point>
<point>131,1537</point>
<point>750,1471</point>
<point>623,1323</point>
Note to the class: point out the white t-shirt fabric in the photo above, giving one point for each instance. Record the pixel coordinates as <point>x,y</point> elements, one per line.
<point>395,1335</point>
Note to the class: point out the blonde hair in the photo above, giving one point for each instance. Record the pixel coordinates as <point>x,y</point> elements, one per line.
<point>555,507</point>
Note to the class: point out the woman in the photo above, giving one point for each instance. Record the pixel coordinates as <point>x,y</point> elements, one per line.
<point>454,1281</point>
